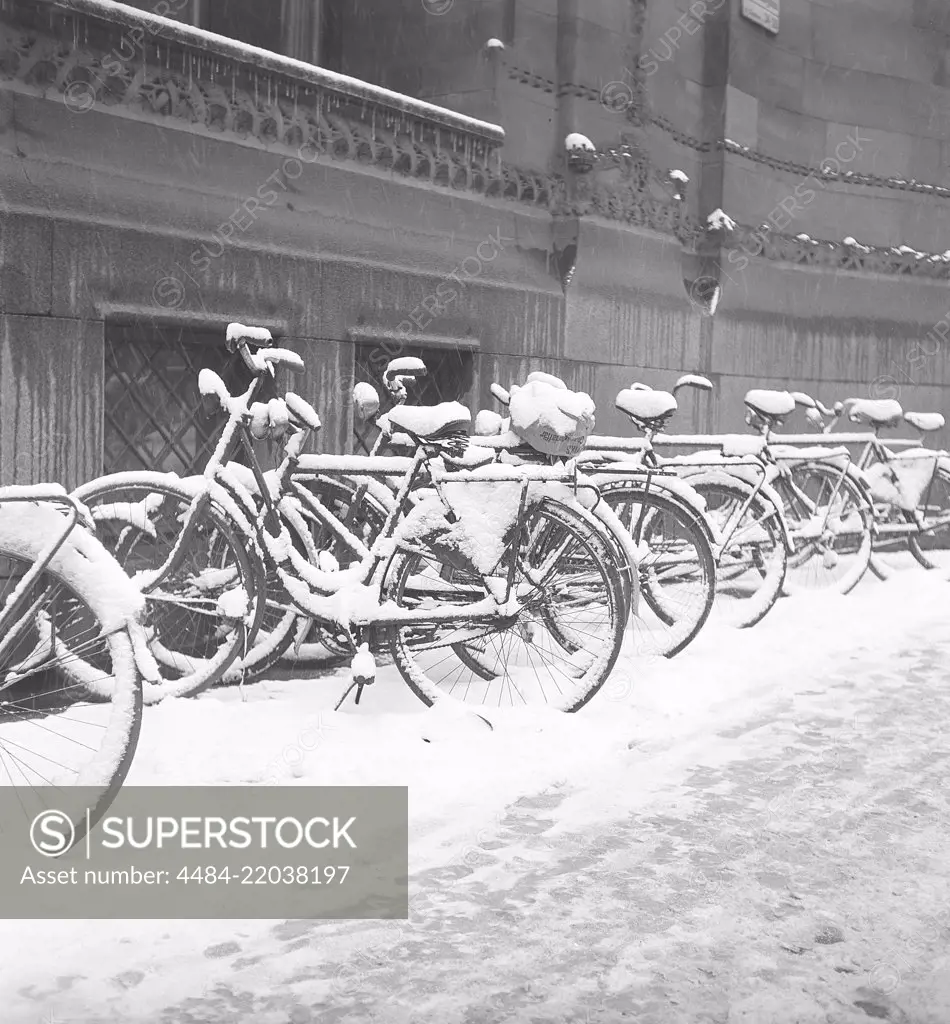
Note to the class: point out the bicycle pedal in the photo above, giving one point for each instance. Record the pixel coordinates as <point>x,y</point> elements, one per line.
<point>363,668</point>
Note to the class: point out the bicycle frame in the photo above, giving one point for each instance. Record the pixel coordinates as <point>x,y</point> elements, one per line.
<point>875,451</point>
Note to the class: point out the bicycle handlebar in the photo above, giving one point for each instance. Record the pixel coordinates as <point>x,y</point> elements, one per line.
<point>238,334</point>
<point>400,371</point>
<point>500,394</point>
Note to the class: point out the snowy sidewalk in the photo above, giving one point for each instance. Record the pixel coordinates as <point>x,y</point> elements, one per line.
<point>752,832</point>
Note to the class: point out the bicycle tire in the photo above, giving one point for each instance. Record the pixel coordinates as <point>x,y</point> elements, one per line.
<point>70,592</point>
<point>804,564</point>
<point>622,497</point>
<point>758,528</point>
<point>587,674</point>
<point>127,510</point>
<point>917,548</point>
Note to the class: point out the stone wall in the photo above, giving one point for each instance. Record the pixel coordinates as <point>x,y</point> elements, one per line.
<point>864,86</point>
<point>102,214</point>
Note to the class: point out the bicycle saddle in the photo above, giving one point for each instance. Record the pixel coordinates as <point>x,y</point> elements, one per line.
<point>646,406</point>
<point>878,412</point>
<point>925,421</point>
<point>429,422</point>
<point>770,405</point>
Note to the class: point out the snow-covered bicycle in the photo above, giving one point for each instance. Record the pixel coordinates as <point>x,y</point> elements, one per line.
<point>909,489</point>
<point>72,658</point>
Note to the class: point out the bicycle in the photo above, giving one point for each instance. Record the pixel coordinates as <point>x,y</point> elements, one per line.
<point>439,574</point>
<point>747,489</point>
<point>909,490</point>
<point>68,627</point>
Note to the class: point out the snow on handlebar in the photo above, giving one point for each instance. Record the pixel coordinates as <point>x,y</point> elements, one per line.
<point>500,393</point>
<point>238,333</point>
<point>265,359</point>
<point>209,383</point>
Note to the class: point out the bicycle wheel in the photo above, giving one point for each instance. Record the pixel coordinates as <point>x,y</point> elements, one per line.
<point>831,530</point>
<point>557,649</point>
<point>932,547</point>
<point>203,616</point>
<point>676,570</point>
<point>59,637</point>
<point>750,541</point>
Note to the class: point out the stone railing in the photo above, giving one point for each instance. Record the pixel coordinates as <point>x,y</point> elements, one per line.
<point>90,53</point>
<point>845,255</point>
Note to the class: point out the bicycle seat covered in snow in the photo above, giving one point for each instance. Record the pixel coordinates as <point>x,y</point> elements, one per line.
<point>646,406</point>
<point>770,404</point>
<point>878,412</point>
<point>428,422</point>
<point>925,421</point>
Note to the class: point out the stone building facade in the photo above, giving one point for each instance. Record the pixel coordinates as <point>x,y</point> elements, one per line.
<point>157,182</point>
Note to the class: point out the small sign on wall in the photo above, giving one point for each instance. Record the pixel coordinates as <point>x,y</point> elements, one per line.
<point>762,12</point>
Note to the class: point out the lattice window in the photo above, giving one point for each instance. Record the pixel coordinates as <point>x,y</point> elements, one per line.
<point>155,417</point>
<point>451,378</point>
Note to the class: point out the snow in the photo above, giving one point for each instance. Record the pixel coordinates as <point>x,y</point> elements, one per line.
<point>790,454</point>
<point>925,421</point>
<point>234,604</point>
<point>211,43</point>
<point>903,480</point>
<point>363,665</point>
<point>506,825</point>
<point>693,380</point>
<point>209,383</point>
<point>739,445</point>
<point>546,378</point>
<point>678,175</point>
<point>30,531</point>
<point>366,400</point>
<point>405,364</point>
<point>873,410</point>
<point>551,419</point>
<point>646,405</point>
<point>486,512</point>
<point>488,423</point>
<point>265,359</point>
<point>576,142</point>
<point>772,403</point>
<point>720,221</point>
<point>257,335</point>
<point>425,420</point>
<point>302,410</point>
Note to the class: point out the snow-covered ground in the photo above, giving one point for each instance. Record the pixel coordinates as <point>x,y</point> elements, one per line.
<point>752,832</point>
